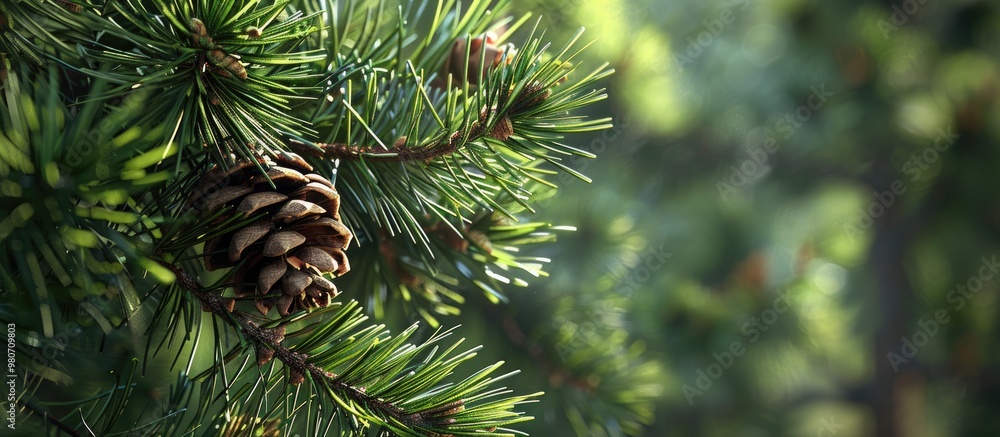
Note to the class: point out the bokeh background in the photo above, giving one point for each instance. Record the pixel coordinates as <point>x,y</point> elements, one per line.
<point>792,228</point>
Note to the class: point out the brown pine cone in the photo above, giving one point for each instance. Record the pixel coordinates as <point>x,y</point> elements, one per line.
<point>475,71</point>
<point>296,240</point>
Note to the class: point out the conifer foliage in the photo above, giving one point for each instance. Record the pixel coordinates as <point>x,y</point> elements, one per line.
<point>171,171</point>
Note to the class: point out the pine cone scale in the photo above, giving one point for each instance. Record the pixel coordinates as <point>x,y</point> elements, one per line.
<point>247,236</point>
<point>227,194</point>
<point>270,274</point>
<point>318,258</point>
<point>326,232</point>
<point>297,209</point>
<point>321,180</point>
<point>320,195</point>
<point>295,282</point>
<point>256,201</point>
<point>280,243</point>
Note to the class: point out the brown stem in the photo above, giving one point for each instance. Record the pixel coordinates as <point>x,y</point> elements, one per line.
<point>502,129</point>
<point>398,152</point>
<point>296,362</point>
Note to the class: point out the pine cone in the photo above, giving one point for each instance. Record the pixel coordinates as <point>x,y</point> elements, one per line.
<point>475,71</point>
<point>296,240</point>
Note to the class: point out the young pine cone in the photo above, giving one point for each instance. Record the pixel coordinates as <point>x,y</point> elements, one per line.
<point>296,240</point>
<point>475,72</point>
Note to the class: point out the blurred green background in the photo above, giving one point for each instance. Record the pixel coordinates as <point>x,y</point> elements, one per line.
<point>792,229</point>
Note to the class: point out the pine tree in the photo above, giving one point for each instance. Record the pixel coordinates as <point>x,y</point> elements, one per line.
<point>204,203</point>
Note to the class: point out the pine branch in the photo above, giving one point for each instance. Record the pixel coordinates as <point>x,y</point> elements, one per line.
<point>268,343</point>
<point>436,413</point>
<point>447,159</point>
<point>229,73</point>
<point>239,79</point>
<point>27,28</point>
<point>501,130</point>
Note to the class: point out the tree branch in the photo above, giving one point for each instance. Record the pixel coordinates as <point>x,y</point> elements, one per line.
<point>267,342</point>
<point>531,96</point>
